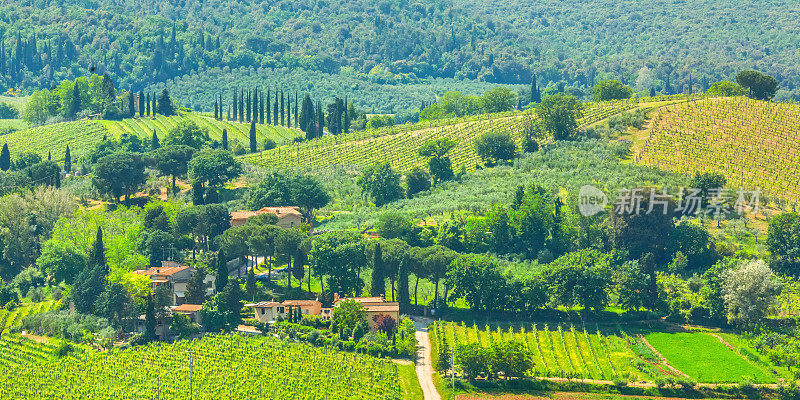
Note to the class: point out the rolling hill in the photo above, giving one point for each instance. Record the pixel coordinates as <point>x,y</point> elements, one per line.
<point>753,143</point>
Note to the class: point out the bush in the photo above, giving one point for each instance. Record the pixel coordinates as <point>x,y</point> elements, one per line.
<point>7,111</point>
<point>269,144</point>
<point>64,349</point>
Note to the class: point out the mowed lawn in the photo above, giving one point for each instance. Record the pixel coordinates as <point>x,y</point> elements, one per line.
<point>705,359</point>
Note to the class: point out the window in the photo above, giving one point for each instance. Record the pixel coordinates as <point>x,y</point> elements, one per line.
<point>263,311</point>
<point>280,310</point>
<point>305,311</point>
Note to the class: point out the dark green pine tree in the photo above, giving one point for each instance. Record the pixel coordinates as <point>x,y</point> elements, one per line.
<point>229,113</point>
<point>147,105</point>
<point>49,156</point>
<point>254,114</point>
<point>141,103</point>
<point>154,107</point>
<point>224,139</point>
<point>378,287</point>
<point>67,161</point>
<point>296,107</point>
<point>154,142</point>
<point>97,255</point>
<point>222,271</point>
<point>5,158</point>
<point>215,110</point>
<point>253,143</point>
<point>283,105</point>
<point>307,115</point>
<point>235,104</point>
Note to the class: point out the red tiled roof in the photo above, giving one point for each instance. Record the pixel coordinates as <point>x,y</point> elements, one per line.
<point>241,215</point>
<point>161,271</point>
<point>263,304</point>
<point>280,211</point>
<point>188,308</point>
<point>300,302</point>
<point>363,300</point>
<point>385,307</point>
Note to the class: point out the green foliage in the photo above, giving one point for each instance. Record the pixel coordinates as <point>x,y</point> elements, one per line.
<point>494,147</point>
<point>611,90</point>
<point>726,89</point>
<point>580,278</point>
<point>61,262</point>
<point>477,278</point>
<point>381,183</point>
<point>760,86</point>
<point>783,242</point>
<point>188,133</point>
<point>214,167</point>
<point>118,174</point>
<point>279,189</point>
<point>559,115</point>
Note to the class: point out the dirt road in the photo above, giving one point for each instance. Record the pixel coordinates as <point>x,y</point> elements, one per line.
<point>424,365</point>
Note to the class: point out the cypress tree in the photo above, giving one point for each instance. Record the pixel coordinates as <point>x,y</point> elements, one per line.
<point>224,139</point>
<point>154,143</point>
<point>275,109</point>
<point>402,284</point>
<point>253,136</point>
<point>296,106</point>
<point>229,113</point>
<point>197,193</point>
<point>97,256</point>
<point>147,105</point>
<point>67,161</point>
<point>269,109</point>
<point>254,114</point>
<point>222,271</point>
<point>345,118</point>
<point>378,287</point>
<point>241,106</point>
<point>283,105</point>
<point>5,158</point>
<point>247,108</point>
<point>75,104</point>
<point>306,114</point>
<point>215,109</point>
<point>261,109</point>
<point>141,103</point>
<point>288,110</point>
<point>320,119</point>
<point>131,104</point>
<point>154,107</point>
<point>235,104</point>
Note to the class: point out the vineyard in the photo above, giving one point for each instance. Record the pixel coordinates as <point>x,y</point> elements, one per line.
<point>398,145</point>
<point>13,319</point>
<point>753,143</point>
<point>565,351</point>
<point>216,367</point>
<point>237,132</point>
<point>82,136</point>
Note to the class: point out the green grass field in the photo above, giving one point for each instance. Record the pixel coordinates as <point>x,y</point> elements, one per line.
<point>409,383</point>
<point>705,359</point>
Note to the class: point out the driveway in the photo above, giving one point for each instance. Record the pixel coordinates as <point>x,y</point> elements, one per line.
<point>424,361</point>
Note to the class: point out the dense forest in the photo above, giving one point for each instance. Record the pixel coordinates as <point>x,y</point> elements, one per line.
<point>382,44</point>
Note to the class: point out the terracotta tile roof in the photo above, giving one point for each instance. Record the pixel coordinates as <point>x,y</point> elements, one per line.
<point>241,215</point>
<point>301,302</point>
<point>385,307</point>
<point>280,211</point>
<point>264,304</point>
<point>162,271</point>
<point>363,300</point>
<point>188,308</point>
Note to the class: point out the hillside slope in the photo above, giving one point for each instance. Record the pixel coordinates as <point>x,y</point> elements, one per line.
<point>399,145</point>
<point>753,143</point>
<point>82,136</point>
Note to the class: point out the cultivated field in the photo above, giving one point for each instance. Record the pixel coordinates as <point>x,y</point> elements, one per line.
<point>220,367</point>
<point>753,143</point>
<point>13,319</point>
<point>399,145</point>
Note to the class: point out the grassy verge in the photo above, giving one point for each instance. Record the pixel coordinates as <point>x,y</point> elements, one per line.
<point>409,382</point>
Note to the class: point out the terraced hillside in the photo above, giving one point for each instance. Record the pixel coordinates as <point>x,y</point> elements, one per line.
<point>82,136</point>
<point>399,145</point>
<point>753,143</point>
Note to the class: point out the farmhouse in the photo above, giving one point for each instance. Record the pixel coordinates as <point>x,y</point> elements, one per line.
<point>374,307</point>
<point>288,217</point>
<point>269,311</point>
<point>175,277</point>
